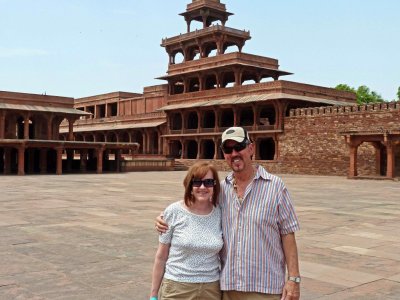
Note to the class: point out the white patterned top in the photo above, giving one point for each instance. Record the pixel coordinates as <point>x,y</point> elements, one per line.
<point>196,241</point>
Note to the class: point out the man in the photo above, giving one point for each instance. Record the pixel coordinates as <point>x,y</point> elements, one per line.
<point>258,225</point>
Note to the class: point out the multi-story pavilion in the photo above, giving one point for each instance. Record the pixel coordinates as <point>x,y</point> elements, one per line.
<point>213,88</point>
<point>29,137</point>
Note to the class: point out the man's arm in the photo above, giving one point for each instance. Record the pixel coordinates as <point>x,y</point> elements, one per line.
<point>160,224</point>
<point>291,290</point>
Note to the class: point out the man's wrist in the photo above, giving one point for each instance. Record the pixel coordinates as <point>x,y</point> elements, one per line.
<point>296,279</point>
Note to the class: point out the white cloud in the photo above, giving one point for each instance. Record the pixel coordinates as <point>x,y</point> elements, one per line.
<point>18,52</point>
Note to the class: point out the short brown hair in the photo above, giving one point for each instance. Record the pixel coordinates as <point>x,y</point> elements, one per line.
<point>199,170</point>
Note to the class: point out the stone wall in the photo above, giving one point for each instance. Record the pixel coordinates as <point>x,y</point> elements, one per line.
<point>312,143</point>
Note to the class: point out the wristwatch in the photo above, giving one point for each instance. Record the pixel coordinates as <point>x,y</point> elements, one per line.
<point>296,279</point>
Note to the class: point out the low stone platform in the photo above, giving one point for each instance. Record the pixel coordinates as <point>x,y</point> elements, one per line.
<point>92,236</point>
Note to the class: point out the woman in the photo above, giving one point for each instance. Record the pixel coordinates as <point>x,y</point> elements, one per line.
<point>187,262</point>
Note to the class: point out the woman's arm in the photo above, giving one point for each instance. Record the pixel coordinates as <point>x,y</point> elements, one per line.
<point>159,268</point>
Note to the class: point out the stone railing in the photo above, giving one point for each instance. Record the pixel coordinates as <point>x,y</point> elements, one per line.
<point>334,110</point>
<point>202,32</point>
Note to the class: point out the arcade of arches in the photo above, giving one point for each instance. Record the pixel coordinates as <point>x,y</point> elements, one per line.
<point>196,134</point>
<point>149,139</point>
<point>29,143</point>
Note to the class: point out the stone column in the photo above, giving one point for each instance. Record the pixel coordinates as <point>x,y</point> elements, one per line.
<point>2,125</point>
<point>59,161</point>
<point>70,129</point>
<point>353,161</point>
<point>255,116</point>
<point>118,160</point>
<point>31,160</point>
<point>198,148</point>
<point>198,121</point>
<point>390,159</point>
<point>26,127</point>
<point>216,147</point>
<point>70,159</point>
<point>50,128</point>
<point>83,160</point>
<point>183,150</point>
<point>254,157</point>
<point>21,160</point>
<point>7,161</point>
<point>99,153</point>
<point>216,115</point>
<point>43,161</point>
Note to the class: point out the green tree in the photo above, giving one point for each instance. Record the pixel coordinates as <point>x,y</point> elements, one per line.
<point>398,94</point>
<point>363,93</point>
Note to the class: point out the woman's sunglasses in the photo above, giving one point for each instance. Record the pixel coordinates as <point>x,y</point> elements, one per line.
<point>237,147</point>
<point>206,182</point>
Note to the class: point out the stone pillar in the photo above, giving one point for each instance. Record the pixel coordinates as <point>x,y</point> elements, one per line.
<point>254,157</point>
<point>21,160</point>
<point>353,161</point>
<point>118,160</point>
<point>50,128</point>
<point>183,150</point>
<point>198,148</point>
<point>276,141</point>
<point>198,121</point>
<point>255,116</point>
<point>70,130</point>
<point>83,160</point>
<point>2,125</point>
<point>26,128</point>
<point>59,161</point>
<point>70,159</point>
<point>31,160</point>
<point>216,147</point>
<point>235,116</point>
<point>43,161</point>
<point>216,115</point>
<point>390,159</point>
<point>238,77</point>
<point>99,153</point>
<point>7,161</point>
<point>1,159</point>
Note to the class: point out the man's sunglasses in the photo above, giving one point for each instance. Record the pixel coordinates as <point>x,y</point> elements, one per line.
<point>237,147</point>
<point>206,182</point>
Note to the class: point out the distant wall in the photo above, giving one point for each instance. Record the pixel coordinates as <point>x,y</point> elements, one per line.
<point>312,143</point>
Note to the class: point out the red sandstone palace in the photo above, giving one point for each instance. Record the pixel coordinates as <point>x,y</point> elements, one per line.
<point>212,85</point>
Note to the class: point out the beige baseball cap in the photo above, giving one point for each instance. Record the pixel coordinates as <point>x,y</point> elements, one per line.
<point>238,134</point>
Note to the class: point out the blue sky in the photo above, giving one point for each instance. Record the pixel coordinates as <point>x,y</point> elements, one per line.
<point>80,48</point>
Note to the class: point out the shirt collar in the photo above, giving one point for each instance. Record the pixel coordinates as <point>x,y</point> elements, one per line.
<point>261,172</point>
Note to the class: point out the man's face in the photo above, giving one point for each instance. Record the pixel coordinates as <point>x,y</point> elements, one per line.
<point>239,160</point>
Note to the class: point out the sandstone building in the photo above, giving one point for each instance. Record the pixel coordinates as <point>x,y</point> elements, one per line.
<point>212,84</point>
<point>30,137</point>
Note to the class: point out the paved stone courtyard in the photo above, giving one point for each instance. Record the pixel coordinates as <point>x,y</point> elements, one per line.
<point>92,236</point>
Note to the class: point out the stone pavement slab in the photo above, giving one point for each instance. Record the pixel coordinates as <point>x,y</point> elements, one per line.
<point>92,236</point>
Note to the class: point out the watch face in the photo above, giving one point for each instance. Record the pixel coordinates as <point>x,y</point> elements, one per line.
<point>295,279</point>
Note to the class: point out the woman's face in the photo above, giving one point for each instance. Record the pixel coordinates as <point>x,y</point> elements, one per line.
<point>203,193</point>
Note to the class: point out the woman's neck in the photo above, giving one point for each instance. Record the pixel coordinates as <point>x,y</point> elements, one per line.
<point>200,208</point>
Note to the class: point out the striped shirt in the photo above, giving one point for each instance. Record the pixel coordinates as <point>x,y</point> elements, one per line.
<point>252,257</point>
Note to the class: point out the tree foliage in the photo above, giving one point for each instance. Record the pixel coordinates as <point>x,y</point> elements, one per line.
<point>398,94</point>
<point>363,93</point>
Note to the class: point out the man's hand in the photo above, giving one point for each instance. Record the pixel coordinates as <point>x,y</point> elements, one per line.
<point>160,225</point>
<point>291,291</point>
